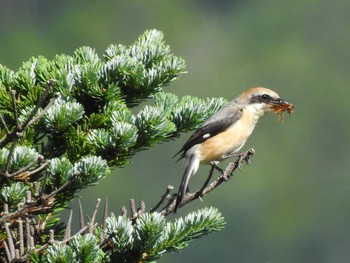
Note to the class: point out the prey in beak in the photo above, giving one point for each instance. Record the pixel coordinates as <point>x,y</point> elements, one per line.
<point>279,106</point>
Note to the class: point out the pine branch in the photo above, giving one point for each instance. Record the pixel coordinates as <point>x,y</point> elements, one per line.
<point>18,132</point>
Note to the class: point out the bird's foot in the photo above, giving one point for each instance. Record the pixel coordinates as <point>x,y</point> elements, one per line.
<point>245,156</point>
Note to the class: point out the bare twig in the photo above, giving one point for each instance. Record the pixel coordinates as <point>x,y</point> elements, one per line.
<point>27,233</point>
<point>227,173</point>
<point>81,215</point>
<point>38,116</point>
<point>25,169</point>
<point>67,233</point>
<point>29,197</point>
<point>92,221</point>
<point>4,124</point>
<point>102,234</point>
<point>133,208</point>
<point>142,209</point>
<point>10,240</point>
<point>57,191</point>
<point>8,254</point>
<point>51,236</point>
<point>8,138</point>
<point>105,214</point>
<point>43,203</point>
<point>164,197</point>
<point>9,159</point>
<point>21,236</point>
<point>30,119</point>
<point>18,213</point>
<point>76,234</point>
<point>15,111</point>
<point>51,241</point>
<point>123,211</point>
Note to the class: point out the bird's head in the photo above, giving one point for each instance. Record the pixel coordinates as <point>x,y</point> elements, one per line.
<point>263,100</point>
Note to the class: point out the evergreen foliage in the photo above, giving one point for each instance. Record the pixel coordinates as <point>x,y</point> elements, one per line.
<point>64,123</point>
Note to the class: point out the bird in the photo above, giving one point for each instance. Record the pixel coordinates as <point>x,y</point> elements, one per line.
<point>225,133</point>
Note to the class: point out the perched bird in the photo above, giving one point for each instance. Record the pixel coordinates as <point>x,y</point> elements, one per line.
<point>225,133</point>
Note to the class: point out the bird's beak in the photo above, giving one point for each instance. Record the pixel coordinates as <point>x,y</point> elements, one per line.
<point>280,105</point>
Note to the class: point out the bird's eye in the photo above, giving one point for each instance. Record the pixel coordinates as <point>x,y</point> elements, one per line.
<point>265,97</point>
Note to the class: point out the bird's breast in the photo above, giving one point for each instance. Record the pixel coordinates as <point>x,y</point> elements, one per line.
<point>229,141</point>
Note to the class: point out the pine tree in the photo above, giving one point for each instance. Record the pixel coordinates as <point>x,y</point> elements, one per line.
<point>64,123</point>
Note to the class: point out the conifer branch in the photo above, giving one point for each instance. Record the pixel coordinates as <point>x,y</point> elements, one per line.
<point>31,117</point>
<point>18,132</point>
<point>83,122</point>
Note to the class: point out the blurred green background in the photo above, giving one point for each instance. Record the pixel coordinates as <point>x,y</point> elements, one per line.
<point>292,203</point>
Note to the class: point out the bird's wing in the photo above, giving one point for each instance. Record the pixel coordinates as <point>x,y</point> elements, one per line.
<point>216,124</point>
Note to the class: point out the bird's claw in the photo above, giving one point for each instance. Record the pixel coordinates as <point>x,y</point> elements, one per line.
<point>246,156</point>
<point>239,161</point>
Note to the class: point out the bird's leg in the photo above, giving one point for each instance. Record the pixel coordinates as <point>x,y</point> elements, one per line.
<point>239,161</point>
<point>244,156</point>
<point>229,155</point>
<point>207,180</point>
<point>213,166</point>
<point>239,155</point>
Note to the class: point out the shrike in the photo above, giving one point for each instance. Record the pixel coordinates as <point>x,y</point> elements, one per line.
<point>225,133</point>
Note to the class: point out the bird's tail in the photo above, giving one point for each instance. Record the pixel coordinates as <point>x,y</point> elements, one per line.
<point>191,168</point>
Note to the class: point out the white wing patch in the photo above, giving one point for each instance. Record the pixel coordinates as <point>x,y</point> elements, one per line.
<point>207,135</point>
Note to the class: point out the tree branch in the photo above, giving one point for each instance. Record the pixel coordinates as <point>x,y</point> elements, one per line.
<point>164,197</point>
<point>205,189</point>
<point>18,132</point>
<point>23,173</point>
